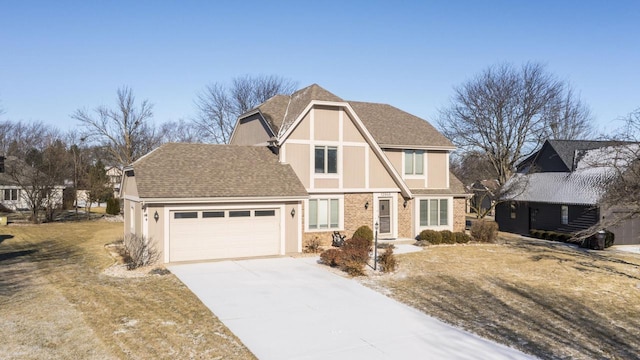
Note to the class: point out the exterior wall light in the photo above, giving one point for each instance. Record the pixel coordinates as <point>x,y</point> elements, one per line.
<point>366,205</point>
<point>156,216</point>
<point>293,212</point>
<point>404,204</point>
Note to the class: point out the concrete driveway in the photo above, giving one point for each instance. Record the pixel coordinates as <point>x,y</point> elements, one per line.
<point>286,308</point>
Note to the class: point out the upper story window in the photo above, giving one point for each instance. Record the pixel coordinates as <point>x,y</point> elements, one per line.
<point>326,160</point>
<point>413,162</point>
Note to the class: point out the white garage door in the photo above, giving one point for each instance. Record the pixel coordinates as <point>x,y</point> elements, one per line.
<point>221,234</point>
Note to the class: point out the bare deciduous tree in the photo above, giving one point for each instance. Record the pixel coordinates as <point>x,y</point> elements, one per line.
<point>180,131</point>
<point>219,105</point>
<point>40,175</point>
<point>506,113</point>
<point>125,131</point>
<point>569,118</point>
<point>18,137</point>
<point>622,196</point>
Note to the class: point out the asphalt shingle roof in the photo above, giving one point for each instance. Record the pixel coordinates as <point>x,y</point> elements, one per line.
<point>391,126</point>
<point>387,124</point>
<point>585,185</point>
<point>178,170</point>
<point>567,149</point>
<point>282,110</point>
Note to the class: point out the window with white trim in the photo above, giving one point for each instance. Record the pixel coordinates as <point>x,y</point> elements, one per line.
<point>564,214</point>
<point>413,162</point>
<point>10,194</point>
<point>324,213</point>
<point>434,212</point>
<point>326,160</point>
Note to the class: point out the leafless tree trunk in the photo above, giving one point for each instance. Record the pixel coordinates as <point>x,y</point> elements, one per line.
<point>125,131</point>
<point>219,105</point>
<point>504,113</point>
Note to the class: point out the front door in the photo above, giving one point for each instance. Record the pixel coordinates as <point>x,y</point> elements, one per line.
<point>384,210</point>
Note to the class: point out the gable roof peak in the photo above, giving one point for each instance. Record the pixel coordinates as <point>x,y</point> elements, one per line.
<point>315,92</point>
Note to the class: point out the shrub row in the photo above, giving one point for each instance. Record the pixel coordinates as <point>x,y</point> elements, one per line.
<point>550,235</point>
<point>590,242</point>
<point>434,237</point>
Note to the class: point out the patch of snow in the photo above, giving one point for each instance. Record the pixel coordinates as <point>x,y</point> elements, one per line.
<point>406,248</point>
<point>130,322</point>
<point>627,248</point>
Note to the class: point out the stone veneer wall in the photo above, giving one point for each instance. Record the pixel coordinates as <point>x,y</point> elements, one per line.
<point>459,214</point>
<point>405,228</point>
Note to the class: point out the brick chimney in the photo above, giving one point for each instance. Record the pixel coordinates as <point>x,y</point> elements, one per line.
<point>1,164</point>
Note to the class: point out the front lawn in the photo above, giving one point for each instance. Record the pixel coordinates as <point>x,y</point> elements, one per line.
<point>547,299</point>
<point>56,302</point>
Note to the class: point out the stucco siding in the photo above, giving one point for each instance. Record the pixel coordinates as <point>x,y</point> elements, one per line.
<point>350,131</point>
<point>395,157</point>
<point>297,155</point>
<point>129,187</point>
<point>415,183</point>
<point>437,170</point>
<point>354,167</point>
<point>301,132</point>
<point>291,227</point>
<point>378,175</point>
<point>326,183</point>
<point>155,229</point>
<point>326,123</point>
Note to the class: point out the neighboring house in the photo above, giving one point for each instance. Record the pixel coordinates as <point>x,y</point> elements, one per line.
<point>483,198</point>
<point>10,192</point>
<point>12,195</point>
<point>559,188</point>
<point>297,167</point>
<point>115,179</point>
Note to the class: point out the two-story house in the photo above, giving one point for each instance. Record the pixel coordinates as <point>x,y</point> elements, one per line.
<point>297,167</point>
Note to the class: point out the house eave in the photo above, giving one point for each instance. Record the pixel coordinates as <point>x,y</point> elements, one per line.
<point>418,147</point>
<point>202,200</point>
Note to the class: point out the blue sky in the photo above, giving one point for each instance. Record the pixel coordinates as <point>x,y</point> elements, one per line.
<point>57,56</point>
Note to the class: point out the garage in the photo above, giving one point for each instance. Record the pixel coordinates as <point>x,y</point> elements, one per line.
<point>224,233</point>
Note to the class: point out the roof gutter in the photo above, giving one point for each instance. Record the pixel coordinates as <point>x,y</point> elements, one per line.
<point>417,147</point>
<point>202,200</point>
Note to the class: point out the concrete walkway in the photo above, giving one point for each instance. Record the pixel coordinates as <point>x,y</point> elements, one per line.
<point>286,308</point>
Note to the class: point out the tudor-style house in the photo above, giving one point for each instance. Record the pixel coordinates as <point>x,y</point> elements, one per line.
<point>297,167</point>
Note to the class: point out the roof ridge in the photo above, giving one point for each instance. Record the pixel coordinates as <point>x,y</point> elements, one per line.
<point>286,111</point>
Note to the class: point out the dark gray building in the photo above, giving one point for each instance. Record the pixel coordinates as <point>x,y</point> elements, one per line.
<point>559,188</point>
